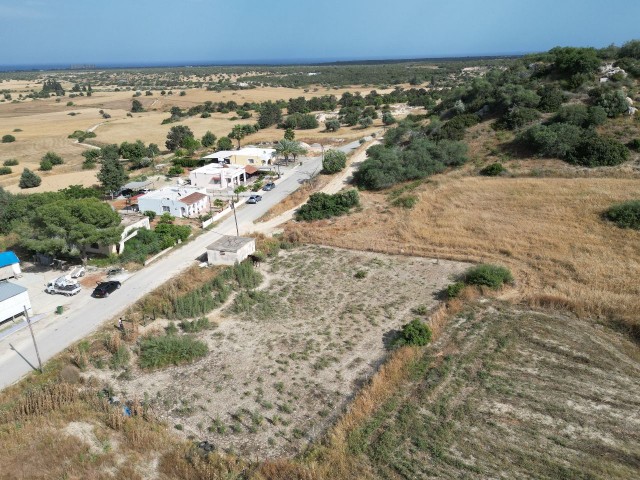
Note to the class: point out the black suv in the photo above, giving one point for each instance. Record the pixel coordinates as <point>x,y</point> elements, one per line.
<point>105,288</point>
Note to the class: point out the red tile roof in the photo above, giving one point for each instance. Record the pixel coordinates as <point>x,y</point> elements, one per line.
<point>250,169</point>
<point>193,198</point>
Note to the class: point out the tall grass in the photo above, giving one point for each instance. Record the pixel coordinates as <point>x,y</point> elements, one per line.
<point>158,352</point>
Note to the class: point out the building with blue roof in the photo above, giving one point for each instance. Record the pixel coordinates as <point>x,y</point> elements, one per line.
<point>9,265</point>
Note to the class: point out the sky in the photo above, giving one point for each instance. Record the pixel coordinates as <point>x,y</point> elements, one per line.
<point>142,32</point>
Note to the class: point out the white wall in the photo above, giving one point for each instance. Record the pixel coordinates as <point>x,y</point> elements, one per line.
<point>15,306</point>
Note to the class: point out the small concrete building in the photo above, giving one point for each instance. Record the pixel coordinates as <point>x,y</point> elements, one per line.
<point>131,222</point>
<point>228,250</point>
<point>215,177</point>
<point>13,300</point>
<point>244,156</point>
<point>181,202</point>
<point>9,265</point>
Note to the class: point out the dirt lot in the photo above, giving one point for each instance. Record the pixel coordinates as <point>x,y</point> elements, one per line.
<point>512,394</point>
<point>283,366</point>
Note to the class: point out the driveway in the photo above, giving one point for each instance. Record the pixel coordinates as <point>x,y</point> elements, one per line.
<point>85,314</point>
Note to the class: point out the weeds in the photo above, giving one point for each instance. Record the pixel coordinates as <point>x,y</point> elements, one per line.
<point>158,352</point>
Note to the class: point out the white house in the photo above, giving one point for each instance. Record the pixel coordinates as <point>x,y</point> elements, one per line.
<point>177,201</point>
<point>9,266</point>
<point>215,176</point>
<point>228,250</point>
<point>132,223</point>
<point>244,156</point>
<point>13,300</point>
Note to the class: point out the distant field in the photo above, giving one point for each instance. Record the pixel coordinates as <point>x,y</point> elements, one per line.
<point>45,125</point>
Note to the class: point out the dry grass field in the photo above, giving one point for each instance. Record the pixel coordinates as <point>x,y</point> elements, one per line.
<point>549,231</point>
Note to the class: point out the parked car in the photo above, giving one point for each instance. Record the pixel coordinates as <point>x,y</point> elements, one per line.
<point>254,198</point>
<point>269,186</point>
<point>104,289</point>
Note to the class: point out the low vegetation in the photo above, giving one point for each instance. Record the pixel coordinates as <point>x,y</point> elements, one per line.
<point>162,351</point>
<point>492,276</point>
<point>323,205</point>
<point>625,215</point>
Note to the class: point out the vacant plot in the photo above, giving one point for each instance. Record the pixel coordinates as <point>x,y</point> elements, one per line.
<point>286,358</point>
<point>549,231</point>
<point>511,394</point>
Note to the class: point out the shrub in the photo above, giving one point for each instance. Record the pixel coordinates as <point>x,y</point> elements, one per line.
<point>493,276</point>
<point>158,352</point>
<point>596,151</point>
<point>414,333</point>
<point>322,205</point>
<point>28,179</point>
<point>633,145</point>
<point>175,171</point>
<point>334,161</point>
<point>150,213</point>
<point>5,170</point>
<point>8,139</point>
<point>195,326</point>
<point>405,201</point>
<point>492,170</point>
<point>454,289</point>
<point>625,215</point>
<point>88,164</point>
<point>45,165</point>
<point>518,117</point>
<point>12,162</point>
<point>54,158</point>
<point>332,125</point>
<point>360,274</point>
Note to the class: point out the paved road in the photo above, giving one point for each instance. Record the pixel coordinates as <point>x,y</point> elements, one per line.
<point>55,333</point>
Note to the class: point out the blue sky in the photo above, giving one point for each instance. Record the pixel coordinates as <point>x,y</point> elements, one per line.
<point>211,31</point>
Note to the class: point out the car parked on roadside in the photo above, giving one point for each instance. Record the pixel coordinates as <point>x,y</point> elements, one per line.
<point>269,186</point>
<point>104,289</point>
<point>254,198</point>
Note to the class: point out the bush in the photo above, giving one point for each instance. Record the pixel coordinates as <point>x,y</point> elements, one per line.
<point>518,117</point>
<point>493,276</point>
<point>405,201</point>
<point>158,352</point>
<point>454,289</point>
<point>332,125</point>
<point>150,213</point>
<point>12,162</point>
<point>360,274</point>
<point>492,170</point>
<point>195,326</point>
<point>175,171</point>
<point>625,215</point>
<point>334,161</point>
<point>322,205</point>
<point>596,151</point>
<point>633,145</point>
<point>45,165</point>
<point>5,170</point>
<point>8,139</point>
<point>414,333</point>
<point>54,158</point>
<point>28,179</point>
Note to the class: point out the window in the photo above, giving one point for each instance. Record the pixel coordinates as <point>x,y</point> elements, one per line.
<point>166,209</point>
<point>251,160</point>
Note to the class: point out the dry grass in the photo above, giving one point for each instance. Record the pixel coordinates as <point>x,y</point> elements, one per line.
<point>548,231</point>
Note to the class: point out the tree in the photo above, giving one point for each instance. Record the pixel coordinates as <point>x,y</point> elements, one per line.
<point>332,125</point>
<point>239,132</point>
<point>136,106</point>
<point>28,179</point>
<point>176,136</point>
<point>270,114</point>
<point>388,119</point>
<point>224,143</point>
<point>133,151</point>
<point>630,49</point>
<point>334,161</point>
<point>191,144</point>
<point>571,61</point>
<point>69,226</point>
<point>365,122</point>
<point>112,175</point>
<point>238,190</point>
<point>153,150</point>
<point>289,134</point>
<point>208,139</point>
<point>288,148</point>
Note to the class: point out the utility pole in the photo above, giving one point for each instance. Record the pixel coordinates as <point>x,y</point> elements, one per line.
<point>26,314</point>
<point>233,206</point>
